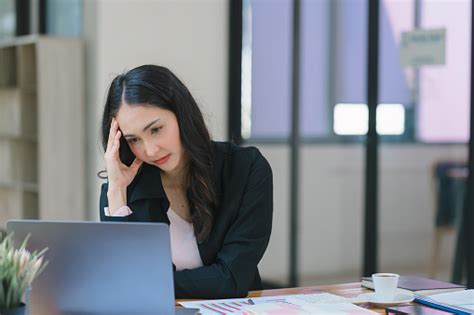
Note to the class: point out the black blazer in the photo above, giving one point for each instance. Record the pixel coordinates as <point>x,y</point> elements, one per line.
<point>242,226</point>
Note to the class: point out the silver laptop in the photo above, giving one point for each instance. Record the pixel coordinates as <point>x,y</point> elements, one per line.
<point>101,268</point>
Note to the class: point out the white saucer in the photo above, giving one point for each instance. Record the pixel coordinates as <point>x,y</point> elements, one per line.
<point>401,296</point>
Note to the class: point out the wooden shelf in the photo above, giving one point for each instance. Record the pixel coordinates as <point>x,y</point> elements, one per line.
<point>17,204</point>
<point>18,113</point>
<point>18,161</point>
<point>26,67</point>
<point>42,106</point>
<point>8,66</point>
<point>19,185</point>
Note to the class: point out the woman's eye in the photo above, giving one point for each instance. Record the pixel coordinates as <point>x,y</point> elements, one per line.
<point>155,130</point>
<point>132,140</point>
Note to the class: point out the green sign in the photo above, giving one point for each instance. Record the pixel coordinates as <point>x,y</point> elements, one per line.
<point>423,47</point>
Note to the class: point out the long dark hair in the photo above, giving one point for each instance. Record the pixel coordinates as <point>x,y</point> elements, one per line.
<point>158,86</point>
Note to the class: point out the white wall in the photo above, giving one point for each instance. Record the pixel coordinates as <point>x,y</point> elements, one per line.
<point>187,36</point>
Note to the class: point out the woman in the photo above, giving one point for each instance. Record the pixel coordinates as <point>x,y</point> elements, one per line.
<point>163,167</point>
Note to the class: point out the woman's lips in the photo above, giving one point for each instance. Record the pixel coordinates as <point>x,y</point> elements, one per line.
<point>163,160</point>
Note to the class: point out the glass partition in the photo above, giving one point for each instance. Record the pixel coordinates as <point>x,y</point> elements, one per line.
<point>422,181</point>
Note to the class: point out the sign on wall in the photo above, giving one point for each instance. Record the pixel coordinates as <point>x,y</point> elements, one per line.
<point>423,47</point>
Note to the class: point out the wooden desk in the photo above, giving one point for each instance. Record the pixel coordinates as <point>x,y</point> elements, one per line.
<point>346,290</point>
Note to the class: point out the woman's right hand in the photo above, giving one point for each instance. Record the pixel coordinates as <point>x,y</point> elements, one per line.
<point>119,175</point>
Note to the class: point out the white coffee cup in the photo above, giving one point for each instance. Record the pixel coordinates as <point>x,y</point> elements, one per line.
<point>385,285</point>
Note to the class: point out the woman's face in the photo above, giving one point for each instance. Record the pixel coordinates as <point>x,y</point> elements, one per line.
<point>153,135</point>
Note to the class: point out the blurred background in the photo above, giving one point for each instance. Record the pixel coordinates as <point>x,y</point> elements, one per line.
<point>242,63</point>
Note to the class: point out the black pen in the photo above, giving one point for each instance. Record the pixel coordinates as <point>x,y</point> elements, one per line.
<point>251,302</point>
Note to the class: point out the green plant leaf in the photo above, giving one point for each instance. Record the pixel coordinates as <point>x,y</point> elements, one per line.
<point>18,268</point>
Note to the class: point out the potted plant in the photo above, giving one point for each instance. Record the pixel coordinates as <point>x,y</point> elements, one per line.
<point>18,269</point>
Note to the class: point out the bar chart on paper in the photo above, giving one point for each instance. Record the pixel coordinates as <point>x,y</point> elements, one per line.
<point>321,303</point>
<point>229,306</point>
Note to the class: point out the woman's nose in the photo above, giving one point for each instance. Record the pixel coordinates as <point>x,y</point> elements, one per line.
<point>151,149</point>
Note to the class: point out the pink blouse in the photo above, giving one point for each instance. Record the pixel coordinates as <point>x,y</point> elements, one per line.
<point>184,250</point>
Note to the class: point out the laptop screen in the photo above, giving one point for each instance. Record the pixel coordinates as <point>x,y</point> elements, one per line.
<point>100,268</point>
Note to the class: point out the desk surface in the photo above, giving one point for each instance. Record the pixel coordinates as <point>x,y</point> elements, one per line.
<point>346,290</point>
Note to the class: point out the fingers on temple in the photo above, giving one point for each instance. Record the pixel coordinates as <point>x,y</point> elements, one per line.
<point>136,164</point>
<point>112,134</point>
<point>116,142</point>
